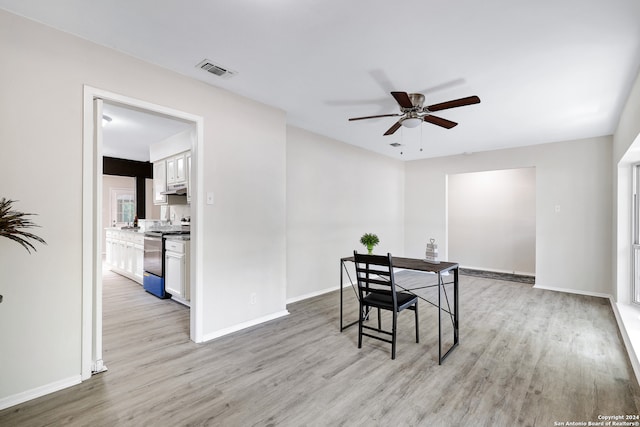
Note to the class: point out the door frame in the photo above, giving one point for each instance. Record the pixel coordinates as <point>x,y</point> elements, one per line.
<point>91,341</point>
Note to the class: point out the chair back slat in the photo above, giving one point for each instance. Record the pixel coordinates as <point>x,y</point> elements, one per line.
<point>372,281</point>
<point>375,275</point>
<point>370,269</point>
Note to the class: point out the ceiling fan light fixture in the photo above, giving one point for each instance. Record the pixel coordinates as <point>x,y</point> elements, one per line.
<point>413,113</point>
<point>411,122</point>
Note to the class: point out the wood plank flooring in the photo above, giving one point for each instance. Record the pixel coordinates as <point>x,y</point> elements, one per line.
<point>527,357</point>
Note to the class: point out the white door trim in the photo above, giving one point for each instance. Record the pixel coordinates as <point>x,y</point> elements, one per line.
<point>91,348</point>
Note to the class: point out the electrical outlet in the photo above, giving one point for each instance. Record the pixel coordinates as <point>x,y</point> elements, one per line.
<point>253,298</point>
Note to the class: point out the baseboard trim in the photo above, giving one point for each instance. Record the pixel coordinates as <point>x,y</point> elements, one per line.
<point>346,284</point>
<point>244,325</point>
<point>495,270</point>
<point>34,393</point>
<point>572,291</point>
<point>316,293</point>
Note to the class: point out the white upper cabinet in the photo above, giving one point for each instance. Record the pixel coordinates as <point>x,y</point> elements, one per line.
<point>180,169</point>
<point>170,171</point>
<point>159,182</point>
<point>188,164</point>
<point>176,170</point>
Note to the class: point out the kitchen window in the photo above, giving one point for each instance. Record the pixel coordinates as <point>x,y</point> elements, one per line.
<point>123,205</point>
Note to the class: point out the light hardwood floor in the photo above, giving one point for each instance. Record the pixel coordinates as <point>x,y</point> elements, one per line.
<point>527,357</point>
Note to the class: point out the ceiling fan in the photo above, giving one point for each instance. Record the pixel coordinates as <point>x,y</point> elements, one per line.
<point>413,113</point>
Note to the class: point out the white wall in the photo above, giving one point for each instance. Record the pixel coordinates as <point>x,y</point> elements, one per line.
<point>624,156</point>
<point>492,220</point>
<point>629,124</point>
<point>42,115</point>
<point>573,246</point>
<point>336,193</point>
<point>626,151</point>
<point>175,144</point>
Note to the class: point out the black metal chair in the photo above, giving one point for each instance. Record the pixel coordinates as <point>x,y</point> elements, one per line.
<point>377,288</point>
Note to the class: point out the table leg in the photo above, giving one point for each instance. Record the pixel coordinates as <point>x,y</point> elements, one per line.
<point>341,278</point>
<point>455,306</point>
<point>343,268</point>
<point>455,317</point>
<point>439,319</point>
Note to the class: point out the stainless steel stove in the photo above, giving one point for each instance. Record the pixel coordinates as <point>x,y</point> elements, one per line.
<point>153,279</point>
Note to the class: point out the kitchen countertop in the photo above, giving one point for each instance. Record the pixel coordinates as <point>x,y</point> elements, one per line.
<point>130,230</point>
<point>141,231</point>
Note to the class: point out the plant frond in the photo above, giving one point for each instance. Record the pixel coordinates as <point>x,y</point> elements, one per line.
<point>12,224</point>
<point>369,239</point>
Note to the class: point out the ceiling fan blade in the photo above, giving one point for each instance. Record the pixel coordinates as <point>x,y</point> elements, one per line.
<point>448,124</point>
<point>393,128</point>
<point>403,99</point>
<point>374,117</point>
<point>455,103</point>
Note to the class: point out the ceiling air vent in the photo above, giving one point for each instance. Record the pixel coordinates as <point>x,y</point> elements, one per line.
<point>216,69</point>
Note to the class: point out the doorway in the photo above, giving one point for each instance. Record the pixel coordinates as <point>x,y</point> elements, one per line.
<point>491,219</point>
<point>91,361</point>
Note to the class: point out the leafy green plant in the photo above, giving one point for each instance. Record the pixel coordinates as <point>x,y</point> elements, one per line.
<point>369,240</point>
<point>11,223</point>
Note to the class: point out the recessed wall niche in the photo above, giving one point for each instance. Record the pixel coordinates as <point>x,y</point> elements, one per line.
<point>492,220</point>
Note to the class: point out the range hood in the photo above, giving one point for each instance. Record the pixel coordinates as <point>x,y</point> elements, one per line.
<point>176,190</point>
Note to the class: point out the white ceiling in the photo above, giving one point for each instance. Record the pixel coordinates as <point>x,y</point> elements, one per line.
<point>131,132</point>
<point>545,70</point>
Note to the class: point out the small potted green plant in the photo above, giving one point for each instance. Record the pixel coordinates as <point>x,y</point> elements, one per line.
<point>369,240</point>
<point>11,223</point>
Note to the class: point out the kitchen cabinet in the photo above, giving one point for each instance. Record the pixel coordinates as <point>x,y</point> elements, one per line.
<point>159,182</point>
<point>176,169</point>
<point>108,247</point>
<point>167,172</point>
<point>188,172</point>
<point>122,255</point>
<point>125,253</point>
<point>138,268</point>
<point>112,250</point>
<point>129,258</point>
<point>181,168</point>
<point>176,263</point>
<point>117,252</point>
<point>171,170</point>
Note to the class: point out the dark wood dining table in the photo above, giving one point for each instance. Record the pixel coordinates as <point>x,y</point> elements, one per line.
<point>440,270</point>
